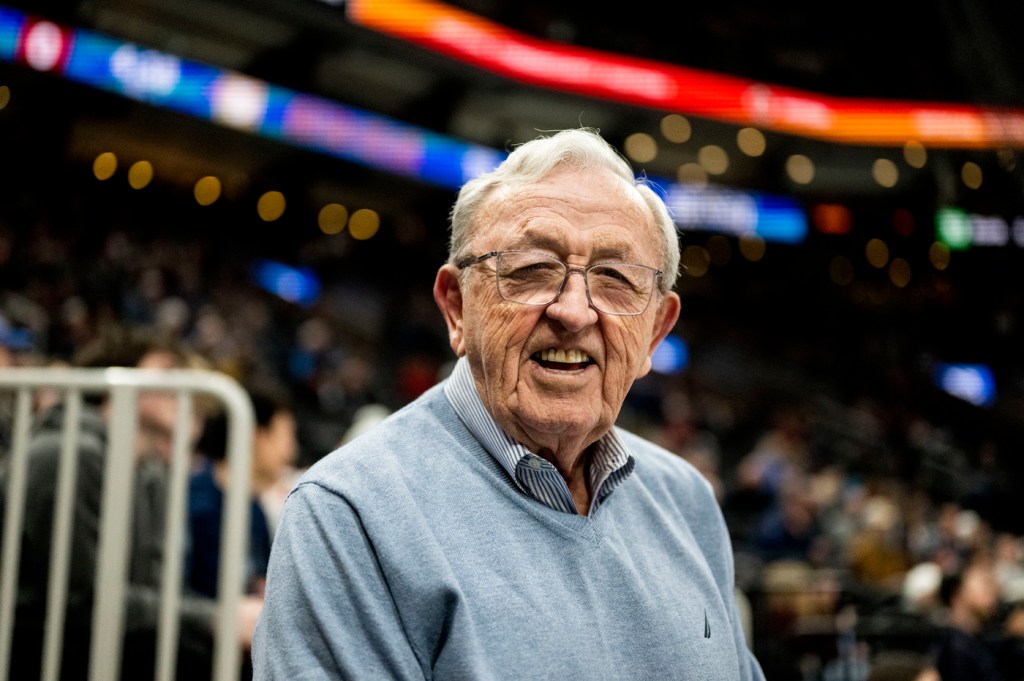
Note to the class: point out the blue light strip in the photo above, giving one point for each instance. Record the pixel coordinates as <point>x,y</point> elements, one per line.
<point>731,211</point>
<point>204,91</point>
<point>304,120</point>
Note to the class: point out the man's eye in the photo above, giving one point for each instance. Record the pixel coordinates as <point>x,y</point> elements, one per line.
<point>539,267</point>
<point>610,275</point>
<point>533,270</point>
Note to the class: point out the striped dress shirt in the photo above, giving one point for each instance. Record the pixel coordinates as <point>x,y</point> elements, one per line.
<point>610,462</point>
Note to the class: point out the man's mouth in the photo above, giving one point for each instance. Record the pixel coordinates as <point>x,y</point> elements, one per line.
<point>562,360</point>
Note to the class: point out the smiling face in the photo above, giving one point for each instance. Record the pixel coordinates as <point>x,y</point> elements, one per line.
<point>555,376</point>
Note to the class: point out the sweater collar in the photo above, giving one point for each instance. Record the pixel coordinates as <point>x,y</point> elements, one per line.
<point>610,465</point>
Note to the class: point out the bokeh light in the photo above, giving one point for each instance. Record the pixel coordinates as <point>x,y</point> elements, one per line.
<point>751,142</point>
<point>364,224</point>
<point>877,253</point>
<point>332,218</point>
<point>885,173</point>
<point>692,173</point>
<point>800,169</point>
<point>641,147</point>
<point>971,175</point>
<point>939,255</point>
<point>140,174</point>
<point>832,218</point>
<point>270,206</point>
<point>899,272</point>
<point>696,260</point>
<point>104,165</point>
<point>676,128</point>
<point>752,247</point>
<point>915,154</point>
<point>670,356</point>
<point>713,159</point>
<point>207,190</point>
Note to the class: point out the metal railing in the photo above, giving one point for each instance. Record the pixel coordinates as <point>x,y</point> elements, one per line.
<point>122,386</point>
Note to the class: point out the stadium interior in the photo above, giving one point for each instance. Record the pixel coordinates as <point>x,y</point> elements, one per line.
<point>882,338</point>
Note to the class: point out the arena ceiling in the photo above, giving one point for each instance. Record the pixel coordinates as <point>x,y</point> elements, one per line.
<point>957,51</point>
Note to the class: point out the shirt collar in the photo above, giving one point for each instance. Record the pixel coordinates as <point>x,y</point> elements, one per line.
<point>611,463</point>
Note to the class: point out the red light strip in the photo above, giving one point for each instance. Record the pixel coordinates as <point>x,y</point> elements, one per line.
<point>478,41</point>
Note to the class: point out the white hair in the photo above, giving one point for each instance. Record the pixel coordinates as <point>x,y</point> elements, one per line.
<point>531,161</point>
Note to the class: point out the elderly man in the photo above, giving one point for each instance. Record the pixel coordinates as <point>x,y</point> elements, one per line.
<point>500,526</point>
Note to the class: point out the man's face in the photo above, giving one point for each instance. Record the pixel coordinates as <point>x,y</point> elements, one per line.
<point>581,218</point>
<point>980,591</point>
<point>274,447</point>
<point>158,412</point>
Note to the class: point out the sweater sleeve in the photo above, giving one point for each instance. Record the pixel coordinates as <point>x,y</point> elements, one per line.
<point>329,612</point>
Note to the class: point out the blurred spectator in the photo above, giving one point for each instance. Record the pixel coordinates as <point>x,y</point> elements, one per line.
<point>753,506</point>
<point>798,604</point>
<point>702,451</point>
<point>963,649</point>
<point>902,665</point>
<point>938,536</point>
<point>273,497</point>
<point>1008,553</point>
<point>988,491</point>
<point>366,417</point>
<point>789,530</point>
<point>920,591</point>
<point>14,343</point>
<point>1010,650</point>
<point>212,338</point>
<point>157,413</point>
<point>273,453</point>
<point>140,302</point>
<point>780,454</point>
<point>877,553</point>
<point>417,371</point>
<point>841,499</point>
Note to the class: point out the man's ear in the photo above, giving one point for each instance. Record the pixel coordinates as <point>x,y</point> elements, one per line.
<point>448,295</point>
<point>664,322</point>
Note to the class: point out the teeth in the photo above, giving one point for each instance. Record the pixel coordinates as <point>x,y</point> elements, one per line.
<point>564,356</point>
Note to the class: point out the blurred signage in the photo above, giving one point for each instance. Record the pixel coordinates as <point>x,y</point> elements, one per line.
<point>475,40</point>
<point>960,230</point>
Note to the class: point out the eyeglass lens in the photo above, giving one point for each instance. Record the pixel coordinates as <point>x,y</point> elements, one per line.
<point>535,279</point>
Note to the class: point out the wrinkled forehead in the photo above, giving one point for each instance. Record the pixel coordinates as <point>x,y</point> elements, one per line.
<point>570,203</point>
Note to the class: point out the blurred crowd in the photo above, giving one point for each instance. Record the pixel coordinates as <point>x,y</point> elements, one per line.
<point>858,523</point>
<point>847,552</point>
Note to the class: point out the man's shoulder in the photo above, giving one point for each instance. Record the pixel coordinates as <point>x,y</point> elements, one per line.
<point>204,496</point>
<point>47,439</point>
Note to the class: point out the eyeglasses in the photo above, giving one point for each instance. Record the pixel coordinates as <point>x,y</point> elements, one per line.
<point>530,278</point>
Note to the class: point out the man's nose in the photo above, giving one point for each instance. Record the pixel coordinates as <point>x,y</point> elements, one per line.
<point>572,308</point>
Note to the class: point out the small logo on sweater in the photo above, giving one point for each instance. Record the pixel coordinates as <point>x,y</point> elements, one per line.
<point>707,625</point>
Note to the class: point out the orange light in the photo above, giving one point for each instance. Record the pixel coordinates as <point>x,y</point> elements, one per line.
<point>832,218</point>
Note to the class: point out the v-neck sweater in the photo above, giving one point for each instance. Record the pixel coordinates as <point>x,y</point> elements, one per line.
<point>411,553</point>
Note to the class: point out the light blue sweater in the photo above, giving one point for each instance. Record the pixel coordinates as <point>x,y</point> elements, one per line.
<point>411,554</point>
